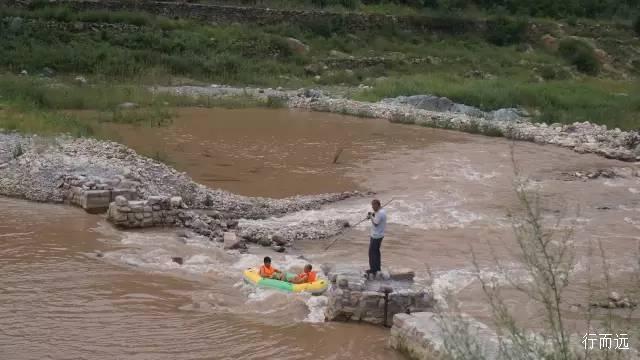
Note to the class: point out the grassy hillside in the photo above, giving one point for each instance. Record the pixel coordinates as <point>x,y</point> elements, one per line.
<point>562,72</point>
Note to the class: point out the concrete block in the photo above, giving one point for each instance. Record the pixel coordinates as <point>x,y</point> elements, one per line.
<point>96,201</point>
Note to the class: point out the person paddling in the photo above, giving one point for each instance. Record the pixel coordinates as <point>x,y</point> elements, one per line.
<point>378,224</point>
<point>269,272</point>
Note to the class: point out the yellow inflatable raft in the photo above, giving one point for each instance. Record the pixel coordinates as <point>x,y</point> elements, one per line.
<point>252,276</point>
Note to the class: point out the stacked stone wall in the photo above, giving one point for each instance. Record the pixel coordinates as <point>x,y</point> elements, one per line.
<point>94,194</point>
<point>352,297</point>
<point>154,211</point>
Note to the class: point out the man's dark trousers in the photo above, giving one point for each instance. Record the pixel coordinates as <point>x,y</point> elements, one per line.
<point>374,254</point>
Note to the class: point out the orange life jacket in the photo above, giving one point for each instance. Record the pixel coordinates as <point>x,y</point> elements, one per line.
<point>312,276</point>
<point>309,277</point>
<point>267,271</point>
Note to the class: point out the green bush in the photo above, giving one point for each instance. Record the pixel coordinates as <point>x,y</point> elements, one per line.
<point>503,31</point>
<point>636,25</point>
<point>581,55</point>
<point>554,72</point>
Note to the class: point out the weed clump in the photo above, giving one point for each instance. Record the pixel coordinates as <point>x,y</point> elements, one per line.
<point>581,55</point>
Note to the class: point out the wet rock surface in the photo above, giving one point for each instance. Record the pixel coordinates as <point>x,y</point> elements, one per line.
<point>268,232</point>
<point>375,300</point>
<point>615,301</point>
<point>420,336</point>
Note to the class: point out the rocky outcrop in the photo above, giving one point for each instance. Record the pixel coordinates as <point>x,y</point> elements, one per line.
<point>443,104</point>
<point>355,298</point>
<point>448,336</point>
<point>270,232</point>
<point>422,336</point>
<point>615,301</point>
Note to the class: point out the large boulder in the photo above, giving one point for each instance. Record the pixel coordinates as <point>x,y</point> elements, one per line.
<point>278,240</point>
<point>339,54</point>
<point>422,335</point>
<point>425,102</point>
<point>509,114</point>
<point>549,42</point>
<point>297,46</point>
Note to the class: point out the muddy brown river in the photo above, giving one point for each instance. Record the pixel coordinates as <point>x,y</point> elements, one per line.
<point>72,287</point>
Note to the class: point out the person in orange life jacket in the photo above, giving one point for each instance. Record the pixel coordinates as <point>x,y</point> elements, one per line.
<point>307,276</point>
<point>270,272</point>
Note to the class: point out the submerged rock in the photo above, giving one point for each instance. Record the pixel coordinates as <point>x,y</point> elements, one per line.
<point>278,240</point>
<point>232,242</point>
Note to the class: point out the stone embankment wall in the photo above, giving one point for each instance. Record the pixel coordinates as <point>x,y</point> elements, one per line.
<point>172,212</point>
<point>154,211</point>
<point>350,22</point>
<point>354,298</point>
<point>168,211</point>
<point>94,194</point>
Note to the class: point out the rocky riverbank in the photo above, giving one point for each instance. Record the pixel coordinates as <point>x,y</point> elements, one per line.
<point>79,170</point>
<point>437,112</point>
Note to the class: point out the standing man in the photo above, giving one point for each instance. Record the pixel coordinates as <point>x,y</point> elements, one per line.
<point>378,224</point>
